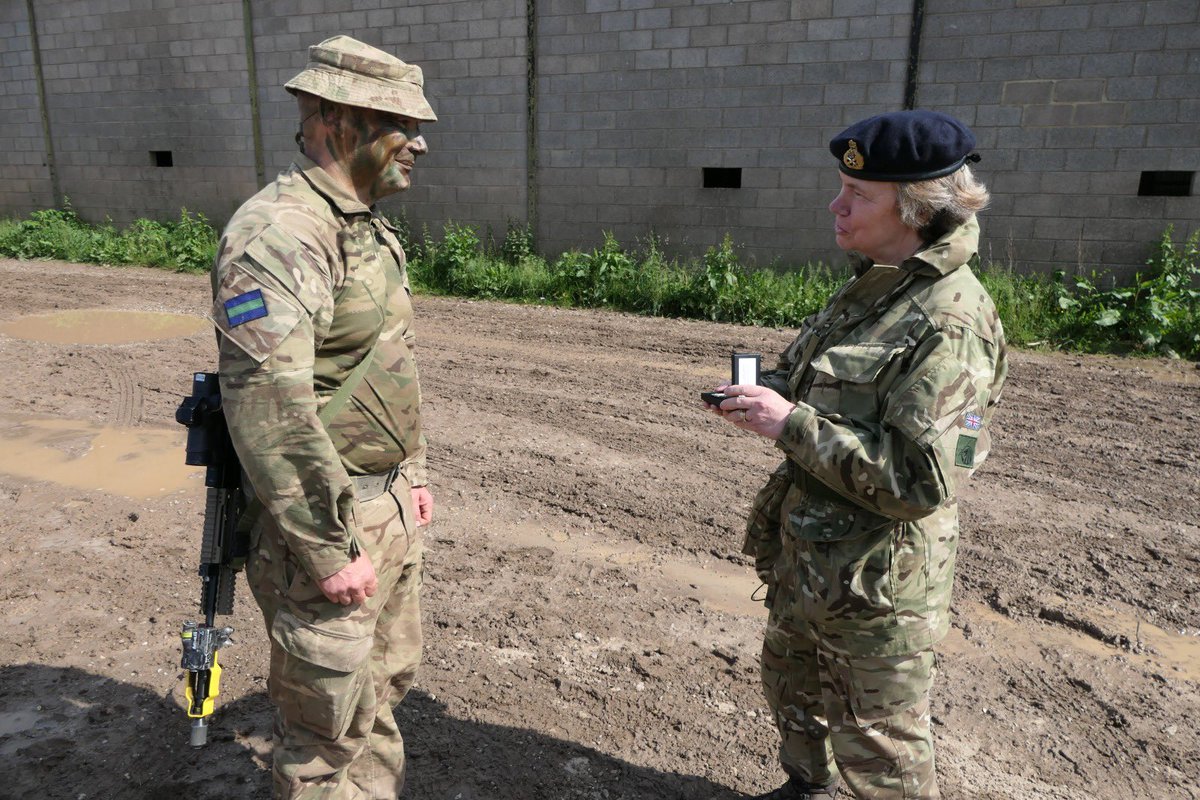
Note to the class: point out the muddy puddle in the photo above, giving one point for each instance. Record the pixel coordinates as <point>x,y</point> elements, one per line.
<point>103,326</point>
<point>137,463</point>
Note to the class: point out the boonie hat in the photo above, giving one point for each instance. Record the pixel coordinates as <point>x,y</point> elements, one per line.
<point>904,146</point>
<point>345,70</point>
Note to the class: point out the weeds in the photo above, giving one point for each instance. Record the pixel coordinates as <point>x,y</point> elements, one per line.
<point>188,245</point>
<point>518,243</point>
<point>1158,313</point>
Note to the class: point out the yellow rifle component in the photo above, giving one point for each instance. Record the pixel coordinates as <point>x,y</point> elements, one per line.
<point>214,685</point>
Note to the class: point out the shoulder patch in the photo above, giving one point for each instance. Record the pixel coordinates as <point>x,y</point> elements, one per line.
<point>245,307</point>
<point>251,312</point>
<point>964,451</point>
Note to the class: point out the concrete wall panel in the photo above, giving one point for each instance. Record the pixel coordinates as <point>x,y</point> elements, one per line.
<point>1071,101</point>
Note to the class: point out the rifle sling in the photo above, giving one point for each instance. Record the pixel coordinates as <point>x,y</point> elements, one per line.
<point>336,402</point>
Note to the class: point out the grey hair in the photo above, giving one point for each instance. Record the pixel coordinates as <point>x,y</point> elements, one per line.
<point>936,207</point>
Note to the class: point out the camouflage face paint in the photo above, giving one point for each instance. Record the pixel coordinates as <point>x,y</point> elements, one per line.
<point>380,151</point>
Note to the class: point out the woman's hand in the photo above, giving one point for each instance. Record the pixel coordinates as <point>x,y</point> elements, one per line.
<point>755,408</point>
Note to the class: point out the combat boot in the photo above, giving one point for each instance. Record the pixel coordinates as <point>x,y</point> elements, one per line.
<point>796,789</point>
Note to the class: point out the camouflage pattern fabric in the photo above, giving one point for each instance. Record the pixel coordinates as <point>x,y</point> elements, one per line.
<point>895,382</point>
<point>330,275</point>
<point>337,672</point>
<point>348,71</point>
<point>306,282</point>
<point>863,720</point>
<point>762,528</point>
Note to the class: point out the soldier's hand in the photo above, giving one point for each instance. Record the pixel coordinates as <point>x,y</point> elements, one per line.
<point>423,503</point>
<point>353,583</point>
<point>757,409</point>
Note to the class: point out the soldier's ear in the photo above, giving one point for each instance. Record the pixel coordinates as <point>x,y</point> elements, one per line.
<point>331,113</point>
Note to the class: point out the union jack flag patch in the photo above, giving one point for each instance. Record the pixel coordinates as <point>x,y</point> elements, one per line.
<point>973,421</point>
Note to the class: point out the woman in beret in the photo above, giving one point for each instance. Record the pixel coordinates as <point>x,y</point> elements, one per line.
<point>881,407</point>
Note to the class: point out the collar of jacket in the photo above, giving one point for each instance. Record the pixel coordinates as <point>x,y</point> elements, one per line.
<point>940,258</point>
<point>949,252</point>
<point>324,185</point>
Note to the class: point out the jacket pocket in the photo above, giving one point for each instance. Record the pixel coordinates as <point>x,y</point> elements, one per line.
<point>846,376</point>
<point>764,536</point>
<point>845,580</point>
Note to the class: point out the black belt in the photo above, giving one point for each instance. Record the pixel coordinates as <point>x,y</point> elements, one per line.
<point>368,487</point>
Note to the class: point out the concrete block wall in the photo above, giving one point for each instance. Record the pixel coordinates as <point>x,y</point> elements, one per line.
<point>127,77</point>
<point>1071,101</point>
<point>473,55</point>
<point>637,97</point>
<point>25,183</point>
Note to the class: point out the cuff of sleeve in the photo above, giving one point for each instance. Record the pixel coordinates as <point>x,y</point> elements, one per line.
<point>414,472</point>
<point>794,438</point>
<point>326,561</point>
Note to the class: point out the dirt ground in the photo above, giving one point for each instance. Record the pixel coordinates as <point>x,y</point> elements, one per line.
<point>589,621</point>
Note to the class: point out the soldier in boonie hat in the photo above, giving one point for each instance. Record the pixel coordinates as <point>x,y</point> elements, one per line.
<point>358,94</point>
<point>883,407</point>
<point>314,317</point>
<point>345,70</point>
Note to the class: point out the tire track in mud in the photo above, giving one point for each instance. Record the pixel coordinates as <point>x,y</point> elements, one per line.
<point>605,456</point>
<point>127,398</point>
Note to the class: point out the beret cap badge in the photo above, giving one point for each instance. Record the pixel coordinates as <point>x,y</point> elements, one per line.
<point>853,159</point>
<point>913,145</point>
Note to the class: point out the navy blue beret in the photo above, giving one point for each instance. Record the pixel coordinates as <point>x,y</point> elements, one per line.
<point>904,146</point>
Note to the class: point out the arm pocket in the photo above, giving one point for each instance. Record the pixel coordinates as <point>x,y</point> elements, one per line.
<point>253,314</point>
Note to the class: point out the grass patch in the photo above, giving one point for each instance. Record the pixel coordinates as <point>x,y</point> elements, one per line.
<point>1157,314</point>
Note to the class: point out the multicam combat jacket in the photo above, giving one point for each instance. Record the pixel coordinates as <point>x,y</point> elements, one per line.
<point>307,280</point>
<point>895,382</point>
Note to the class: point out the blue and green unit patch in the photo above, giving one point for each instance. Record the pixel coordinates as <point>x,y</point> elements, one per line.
<point>245,307</point>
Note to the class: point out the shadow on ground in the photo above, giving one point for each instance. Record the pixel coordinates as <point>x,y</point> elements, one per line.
<point>70,734</point>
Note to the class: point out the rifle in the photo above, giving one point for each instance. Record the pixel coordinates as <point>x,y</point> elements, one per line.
<point>222,550</point>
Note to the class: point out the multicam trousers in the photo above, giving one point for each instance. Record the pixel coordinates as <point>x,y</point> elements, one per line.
<point>865,718</point>
<point>338,671</point>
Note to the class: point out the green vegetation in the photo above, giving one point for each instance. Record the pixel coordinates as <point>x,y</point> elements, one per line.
<point>642,281</point>
<point>188,245</point>
<point>1157,314</point>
